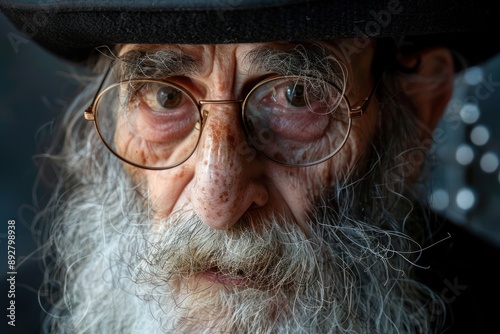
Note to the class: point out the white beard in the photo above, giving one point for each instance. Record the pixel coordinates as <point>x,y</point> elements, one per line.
<point>282,280</point>
<point>346,278</point>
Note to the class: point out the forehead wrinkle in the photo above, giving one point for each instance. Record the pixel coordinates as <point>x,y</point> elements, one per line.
<point>223,70</point>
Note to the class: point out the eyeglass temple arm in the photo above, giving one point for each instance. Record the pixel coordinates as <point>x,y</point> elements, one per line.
<point>359,111</point>
<point>88,114</point>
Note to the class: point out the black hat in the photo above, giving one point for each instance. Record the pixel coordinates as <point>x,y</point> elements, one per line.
<point>73,29</point>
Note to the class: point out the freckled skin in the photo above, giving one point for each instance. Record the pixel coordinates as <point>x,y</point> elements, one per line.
<point>220,183</point>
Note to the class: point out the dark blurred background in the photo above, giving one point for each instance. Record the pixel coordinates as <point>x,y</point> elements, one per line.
<point>466,183</point>
<point>35,86</point>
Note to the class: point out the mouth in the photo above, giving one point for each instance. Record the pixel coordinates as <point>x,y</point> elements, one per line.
<point>235,278</point>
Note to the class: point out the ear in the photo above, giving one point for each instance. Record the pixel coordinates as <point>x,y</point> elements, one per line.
<point>430,88</point>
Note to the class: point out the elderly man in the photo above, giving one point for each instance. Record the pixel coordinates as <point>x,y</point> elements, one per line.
<point>248,167</point>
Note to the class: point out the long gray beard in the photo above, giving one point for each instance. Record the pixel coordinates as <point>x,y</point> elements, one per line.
<point>348,276</point>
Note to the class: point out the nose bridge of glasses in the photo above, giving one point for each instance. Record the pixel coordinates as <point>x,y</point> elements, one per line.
<point>205,111</point>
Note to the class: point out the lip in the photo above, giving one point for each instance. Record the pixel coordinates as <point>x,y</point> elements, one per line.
<point>215,275</point>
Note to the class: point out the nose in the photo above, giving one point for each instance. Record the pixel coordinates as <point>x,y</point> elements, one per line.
<point>226,181</point>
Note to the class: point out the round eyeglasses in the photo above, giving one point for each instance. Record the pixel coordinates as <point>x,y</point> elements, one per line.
<point>292,120</point>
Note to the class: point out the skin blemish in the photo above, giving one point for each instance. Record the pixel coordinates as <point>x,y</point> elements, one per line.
<point>181,174</point>
<point>224,197</point>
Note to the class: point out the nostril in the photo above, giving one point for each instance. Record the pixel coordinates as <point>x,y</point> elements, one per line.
<point>260,197</point>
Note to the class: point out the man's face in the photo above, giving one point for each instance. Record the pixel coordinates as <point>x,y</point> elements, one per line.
<point>222,180</point>
<point>230,241</point>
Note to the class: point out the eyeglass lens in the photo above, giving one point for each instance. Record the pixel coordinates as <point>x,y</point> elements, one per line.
<point>296,120</point>
<point>291,120</point>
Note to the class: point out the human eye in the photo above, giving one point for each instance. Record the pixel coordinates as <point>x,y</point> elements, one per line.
<point>295,94</point>
<point>296,120</point>
<point>160,97</point>
<point>306,94</point>
<point>295,108</point>
<point>160,111</point>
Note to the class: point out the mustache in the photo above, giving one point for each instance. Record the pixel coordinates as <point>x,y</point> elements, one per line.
<point>268,251</point>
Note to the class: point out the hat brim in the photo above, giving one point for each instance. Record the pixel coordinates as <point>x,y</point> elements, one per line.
<point>73,29</point>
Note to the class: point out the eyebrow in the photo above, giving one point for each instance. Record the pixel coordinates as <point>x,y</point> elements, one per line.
<point>302,60</point>
<point>141,63</point>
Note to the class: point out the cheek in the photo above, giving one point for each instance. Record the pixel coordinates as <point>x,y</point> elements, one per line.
<point>299,187</point>
<point>162,189</point>
<point>318,180</point>
<point>143,144</point>
<point>354,153</point>
<point>132,146</point>
<point>359,144</point>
